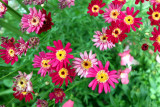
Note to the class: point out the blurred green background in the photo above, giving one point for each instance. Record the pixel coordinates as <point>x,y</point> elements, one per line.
<point>74,25</point>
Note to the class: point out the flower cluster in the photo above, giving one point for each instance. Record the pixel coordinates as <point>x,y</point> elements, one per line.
<point>3,8</point>
<point>35,2</point>
<point>65,3</point>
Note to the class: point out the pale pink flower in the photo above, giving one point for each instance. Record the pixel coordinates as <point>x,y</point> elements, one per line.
<point>123,75</point>
<point>101,41</point>
<point>69,103</point>
<point>3,8</point>
<point>156,2</point>
<point>83,64</point>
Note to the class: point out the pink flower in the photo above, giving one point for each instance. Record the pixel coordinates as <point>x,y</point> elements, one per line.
<point>156,2</point>
<point>101,40</point>
<point>42,103</point>
<point>112,13</point>
<point>42,62</point>
<point>69,103</point>
<point>65,3</point>
<point>123,75</point>
<point>84,63</point>
<point>103,77</point>
<point>60,56</point>
<point>33,21</point>
<point>3,8</point>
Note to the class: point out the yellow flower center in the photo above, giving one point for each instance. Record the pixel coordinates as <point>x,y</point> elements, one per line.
<point>116,32</point>
<point>86,64</point>
<point>129,20</point>
<point>103,38</point>
<point>158,39</point>
<point>156,15</point>
<point>35,21</point>
<point>120,0</point>
<point>24,93</point>
<point>45,64</point>
<point>63,73</point>
<point>22,83</point>
<point>158,1</point>
<point>11,52</point>
<point>95,8</point>
<point>114,14</point>
<point>1,7</point>
<point>102,76</point>
<point>61,54</point>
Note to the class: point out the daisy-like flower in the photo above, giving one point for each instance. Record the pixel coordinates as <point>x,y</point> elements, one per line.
<point>23,86</point>
<point>145,47</point>
<point>42,103</point>
<point>123,75</point>
<point>42,62</point>
<point>94,7</point>
<point>101,40</point>
<point>156,2</point>
<point>3,8</point>
<point>84,63</point>
<point>156,38</point>
<point>137,1</point>
<point>60,55</point>
<point>8,53</point>
<point>116,32</point>
<point>58,95</point>
<point>47,24</point>
<point>4,39</point>
<point>65,3</point>
<point>22,47</point>
<point>33,41</point>
<point>69,103</point>
<point>63,74</point>
<point>33,21</point>
<point>154,15</point>
<point>112,12</point>
<point>103,77</point>
<point>38,2</point>
<point>119,2</point>
<point>129,19</point>
<point>26,2</point>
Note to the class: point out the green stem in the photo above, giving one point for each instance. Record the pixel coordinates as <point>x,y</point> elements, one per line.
<point>140,6</point>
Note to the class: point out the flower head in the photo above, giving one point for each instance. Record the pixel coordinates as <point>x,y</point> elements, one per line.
<point>33,21</point>
<point>119,2</point>
<point>69,103</point>
<point>4,39</point>
<point>84,63</point>
<point>3,8</point>
<point>58,95</point>
<point>35,2</point>
<point>123,75</point>
<point>103,77</point>
<point>137,1</point>
<point>94,7</point>
<point>65,3</point>
<point>145,46</point>
<point>42,103</point>
<point>33,41</point>
<point>156,2</point>
<point>60,55</point>
<point>129,19</point>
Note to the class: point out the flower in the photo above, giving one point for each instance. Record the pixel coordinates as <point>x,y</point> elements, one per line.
<point>156,2</point>
<point>145,47</point>
<point>94,7</point>
<point>123,75</point>
<point>119,2</point>
<point>22,47</point>
<point>154,15</point>
<point>42,62</point>
<point>116,32</point>
<point>33,21</point>
<point>4,39</point>
<point>3,8</point>
<point>156,38</point>
<point>58,95</point>
<point>103,77</point>
<point>33,41</point>
<point>69,103</point>
<point>35,2</point>
<point>84,63</point>
<point>129,20</point>
<point>65,3</point>
<point>26,2</point>
<point>41,103</point>
<point>60,55</point>
<point>112,13</point>
<point>9,53</point>
<point>63,74</point>
<point>137,1</point>
<point>47,24</point>
<point>23,86</point>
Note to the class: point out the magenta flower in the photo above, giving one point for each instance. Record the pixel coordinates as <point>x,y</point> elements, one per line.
<point>42,62</point>
<point>112,12</point>
<point>101,40</point>
<point>103,77</point>
<point>84,63</point>
<point>123,75</point>
<point>65,3</point>
<point>33,21</point>
<point>60,56</point>
<point>3,8</point>
<point>42,103</point>
<point>69,103</point>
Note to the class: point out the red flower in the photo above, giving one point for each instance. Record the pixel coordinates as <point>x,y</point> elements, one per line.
<point>94,7</point>
<point>129,20</point>
<point>154,15</point>
<point>156,38</point>
<point>58,95</point>
<point>119,2</point>
<point>116,32</point>
<point>9,53</point>
<point>145,46</point>
<point>137,1</point>
<point>47,24</point>
<point>63,73</point>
